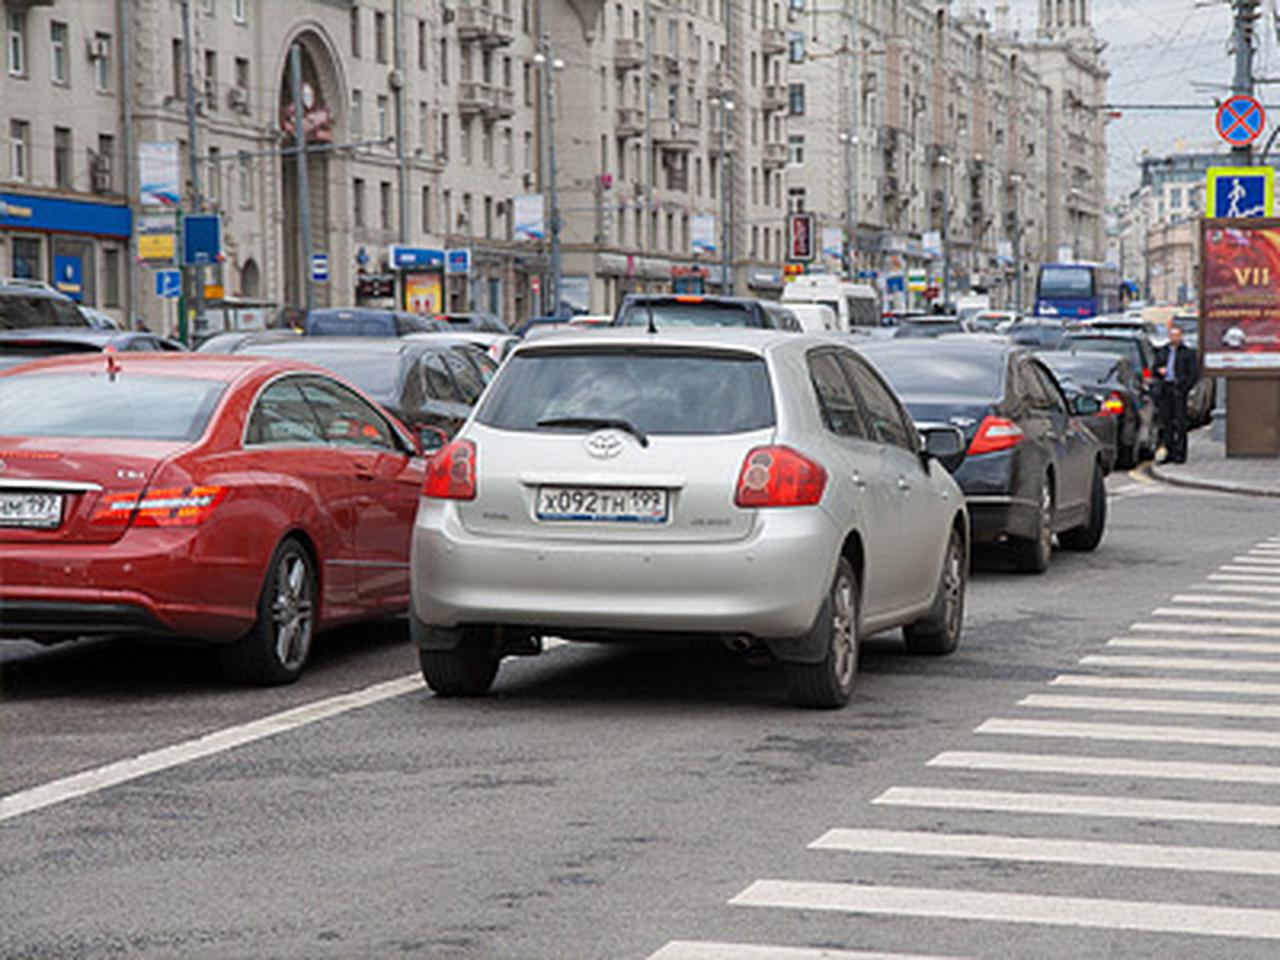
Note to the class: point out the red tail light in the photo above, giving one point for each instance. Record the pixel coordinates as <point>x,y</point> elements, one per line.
<point>1146,374</point>
<point>169,507</point>
<point>995,433</point>
<point>451,472</point>
<point>779,477</point>
<point>1113,406</point>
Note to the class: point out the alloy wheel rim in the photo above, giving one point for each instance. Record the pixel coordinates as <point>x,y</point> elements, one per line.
<point>1046,519</point>
<point>844,646</point>
<point>291,611</point>
<point>953,588</point>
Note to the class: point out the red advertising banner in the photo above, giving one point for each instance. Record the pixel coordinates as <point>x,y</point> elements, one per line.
<point>1240,295</point>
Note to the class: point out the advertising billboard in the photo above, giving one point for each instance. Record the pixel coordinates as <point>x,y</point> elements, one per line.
<point>159,178</point>
<point>801,239</point>
<point>1240,295</point>
<point>423,293</point>
<point>702,234</point>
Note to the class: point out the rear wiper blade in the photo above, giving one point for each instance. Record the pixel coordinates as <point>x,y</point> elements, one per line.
<point>597,423</point>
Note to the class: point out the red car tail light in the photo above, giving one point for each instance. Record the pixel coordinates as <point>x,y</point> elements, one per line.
<point>451,472</point>
<point>1113,406</point>
<point>169,507</point>
<point>995,433</point>
<point>1146,374</point>
<point>779,477</point>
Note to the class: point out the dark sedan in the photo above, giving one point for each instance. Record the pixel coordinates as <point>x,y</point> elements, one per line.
<point>926,327</point>
<point>21,346</point>
<point>1031,469</point>
<point>1123,396</point>
<point>663,311</point>
<point>430,384</point>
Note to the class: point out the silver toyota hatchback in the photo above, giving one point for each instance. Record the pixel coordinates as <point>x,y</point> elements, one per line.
<point>761,487</point>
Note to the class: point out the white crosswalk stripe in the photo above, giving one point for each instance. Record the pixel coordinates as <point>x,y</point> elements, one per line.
<point>1224,598</point>
<point>1261,584</point>
<point>1195,708</point>
<point>1088,766</point>
<point>1214,614</point>
<point>1166,684</point>
<point>1131,732</point>
<point>1209,629</point>
<point>1252,571</point>
<point>1203,646</point>
<point>707,950</point>
<point>1207,664</point>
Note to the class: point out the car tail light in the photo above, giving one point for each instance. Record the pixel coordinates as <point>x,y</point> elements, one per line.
<point>779,477</point>
<point>168,507</point>
<point>1146,374</point>
<point>995,433</point>
<point>1113,405</point>
<point>451,472</point>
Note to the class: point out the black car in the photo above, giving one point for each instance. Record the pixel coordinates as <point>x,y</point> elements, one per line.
<point>689,310</point>
<point>479,320</point>
<point>1036,334</point>
<point>923,327</point>
<point>367,322</point>
<point>1124,399</point>
<point>1129,342</point>
<point>430,384</point>
<point>20,346</point>
<point>1031,469</point>
<point>30,305</point>
<point>233,341</point>
<point>1100,423</point>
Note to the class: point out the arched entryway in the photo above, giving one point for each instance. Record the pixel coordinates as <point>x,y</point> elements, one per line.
<point>250,279</point>
<point>321,94</point>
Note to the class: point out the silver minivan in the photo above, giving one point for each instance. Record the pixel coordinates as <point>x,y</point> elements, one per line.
<point>761,487</point>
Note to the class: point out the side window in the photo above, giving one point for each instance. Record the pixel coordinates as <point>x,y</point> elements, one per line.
<point>436,382</point>
<point>141,345</point>
<point>282,415</point>
<point>488,367</point>
<point>346,419</point>
<point>888,422</point>
<point>836,399</point>
<point>1049,387</point>
<point>465,376</point>
<point>1032,388</point>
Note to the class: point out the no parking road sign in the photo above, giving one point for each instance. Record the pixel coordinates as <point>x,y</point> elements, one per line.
<point>1241,120</point>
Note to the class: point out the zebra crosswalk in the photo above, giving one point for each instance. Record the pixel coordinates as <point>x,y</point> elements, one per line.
<point>1175,723</point>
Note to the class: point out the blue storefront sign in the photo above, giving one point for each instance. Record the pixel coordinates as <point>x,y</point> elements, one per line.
<point>68,276</point>
<point>458,261</point>
<point>201,239</point>
<point>416,258</point>
<point>52,214</point>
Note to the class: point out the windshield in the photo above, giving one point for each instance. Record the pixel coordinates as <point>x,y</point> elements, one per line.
<point>1066,283</point>
<point>85,404</point>
<point>656,391</point>
<point>1120,346</point>
<point>19,311</point>
<point>915,375</point>
<point>693,313</point>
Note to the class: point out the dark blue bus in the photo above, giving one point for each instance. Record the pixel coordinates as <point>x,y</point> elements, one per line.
<point>1076,290</point>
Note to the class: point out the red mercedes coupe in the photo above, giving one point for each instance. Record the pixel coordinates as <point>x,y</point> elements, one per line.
<point>240,501</point>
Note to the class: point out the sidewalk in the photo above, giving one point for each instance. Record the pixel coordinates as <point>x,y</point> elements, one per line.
<point>1207,467</point>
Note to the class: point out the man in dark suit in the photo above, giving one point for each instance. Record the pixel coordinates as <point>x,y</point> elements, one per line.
<point>1177,370</point>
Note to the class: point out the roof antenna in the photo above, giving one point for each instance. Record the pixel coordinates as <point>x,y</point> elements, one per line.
<point>648,305</point>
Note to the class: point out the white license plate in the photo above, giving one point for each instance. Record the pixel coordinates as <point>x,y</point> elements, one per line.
<point>40,510</point>
<point>607,504</point>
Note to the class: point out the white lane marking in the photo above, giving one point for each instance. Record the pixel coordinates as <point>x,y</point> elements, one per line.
<point>714,950</point>
<point>1178,685</point>
<point>1226,598</point>
<point>122,771</point>
<point>1209,613</point>
<point>983,846</point>
<point>1147,916</point>
<point>1078,805</point>
<point>1106,766</point>
<point>1189,708</point>
<point>1208,629</point>
<point>1182,663</point>
<point>1260,559</point>
<point>1134,733</point>
<point>1259,584</point>
<point>1253,573</point>
<point>1203,646</point>
<point>1248,589</point>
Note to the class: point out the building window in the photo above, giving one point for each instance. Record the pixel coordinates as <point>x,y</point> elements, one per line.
<point>357,202</point>
<point>101,54</point>
<point>62,157</point>
<point>242,75</point>
<point>19,147</point>
<point>355,31</point>
<point>795,149</point>
<point>380,37</point>
<point>444,61</point>
<point>528,85</point>
<point>448,211</point>
<point>508,150</point>
<point>422,45</point>
<point>795,99</point>
<point>357,114</point>
<point>111,277</point>
<point>795,47</point>
<point>383,108</point>
<point>239,13</point>
<point>244,168</point>
<point>444,137</point>
<point>213,190</point>
<point>795,200</point>
<point>486,145</point>
<point>1175,198</point>
<point>488,218</point>
<point>424,128</point>
<point>16,43</point>
<point>466,141</point>
<point>464,218</point>
<point>384,204</point>
<point>103,163</point>
<point>176,70</point>
<point>58,66</point>
<point>426,210</point>
<point>211,80</point>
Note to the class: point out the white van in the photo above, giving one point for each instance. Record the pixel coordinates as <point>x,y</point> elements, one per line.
<point>855,304</point>
<point>814,316</point>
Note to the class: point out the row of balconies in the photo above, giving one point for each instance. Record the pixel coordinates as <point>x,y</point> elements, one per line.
<point>629,52</point>
<point>487,99</point>
<point>486,27</point>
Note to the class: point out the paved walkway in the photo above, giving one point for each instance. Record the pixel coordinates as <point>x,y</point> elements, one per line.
<point>1207,466</point>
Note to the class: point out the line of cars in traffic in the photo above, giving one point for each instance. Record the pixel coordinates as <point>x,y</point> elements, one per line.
<point>705,467</point>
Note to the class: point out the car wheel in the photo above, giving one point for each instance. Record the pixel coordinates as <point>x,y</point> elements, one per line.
<point>1088,535</point>
<point>467,670</point>
<point>1031,554</point>
<point>276,650</point>
<point>829,683</point>
<point>1127,455</point>
<point>939,632</point>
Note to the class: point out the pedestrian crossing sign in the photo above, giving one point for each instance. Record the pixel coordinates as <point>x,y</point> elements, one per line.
<point>1239,192</point>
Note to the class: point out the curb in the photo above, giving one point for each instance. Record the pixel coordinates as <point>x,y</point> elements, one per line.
<point>1222,486</point>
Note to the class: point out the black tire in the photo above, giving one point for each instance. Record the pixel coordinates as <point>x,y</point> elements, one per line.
<point>276,650</point>
<point>1032,554</point>
<point>938,632</point>
<point>467,670</point>
<point>1129,455</point>
<point>829,683</point>
<point>1088,535</point>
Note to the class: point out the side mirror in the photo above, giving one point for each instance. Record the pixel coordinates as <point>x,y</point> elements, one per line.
<point>430,439</point>
<point>1086,405</point>
<point>944,443</point>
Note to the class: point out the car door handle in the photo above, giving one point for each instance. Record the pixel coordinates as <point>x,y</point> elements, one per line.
<point>858,481</point>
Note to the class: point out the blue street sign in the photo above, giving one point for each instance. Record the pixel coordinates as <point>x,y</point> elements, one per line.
<point>320,267</point>
<point>1240,120</point>
<point>457,261</point>
<point>1239,191</point>
<point>416,258</point>
<point>68,273</point>
<point>168,283</point>
<point>201,239</point>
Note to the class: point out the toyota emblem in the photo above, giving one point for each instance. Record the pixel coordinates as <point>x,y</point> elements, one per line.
<point>605,444</point>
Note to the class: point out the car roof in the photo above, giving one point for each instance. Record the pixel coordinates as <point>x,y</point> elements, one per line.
<point>694,298</point>
<point>959,345</point>
<point>1109,333</point>
<point>225,368</point>
<point>741,339</point>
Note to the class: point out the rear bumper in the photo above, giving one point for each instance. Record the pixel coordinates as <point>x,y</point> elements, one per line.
<point>768,585</point>
<point>48,620</point>
<point>988,481</point>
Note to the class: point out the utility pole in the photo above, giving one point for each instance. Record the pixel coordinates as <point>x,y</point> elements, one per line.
<point>402,121</point>
<point>1015,182</point>
<point>304,187</point>
<point>546,59</point>
<point>193,147</point>
<point>1246,13</point>
<point>650,221</point>
<point>944,162</point>
<point>726,108</point>
<point>851,196</point>
<point>726,166</point>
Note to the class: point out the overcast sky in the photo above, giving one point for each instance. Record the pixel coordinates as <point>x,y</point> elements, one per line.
<point>1161,51</point>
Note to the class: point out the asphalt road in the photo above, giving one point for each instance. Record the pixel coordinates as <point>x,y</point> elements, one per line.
<point>631,803</point>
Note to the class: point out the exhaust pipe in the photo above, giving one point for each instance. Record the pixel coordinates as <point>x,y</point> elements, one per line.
<point>739,643</point>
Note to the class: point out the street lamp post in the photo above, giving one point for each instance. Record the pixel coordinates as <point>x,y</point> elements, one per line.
<point>1015,181</point>
<point>726,108</point>
<point>1073,199</point>
<point>944,162</point>
<point>546,59</point>
<point>850,142</point>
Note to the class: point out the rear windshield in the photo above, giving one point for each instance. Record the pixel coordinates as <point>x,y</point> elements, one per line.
<point>673,313</point>
<point>350,325</point>
<point>375,373</point>
<point>921,374</point>
<point>1120,346</point>
<point>1066,282</point>
<point>656,391</point>
<point>130,407</point>
<point>1089,369</point>
<point>23,312</point>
